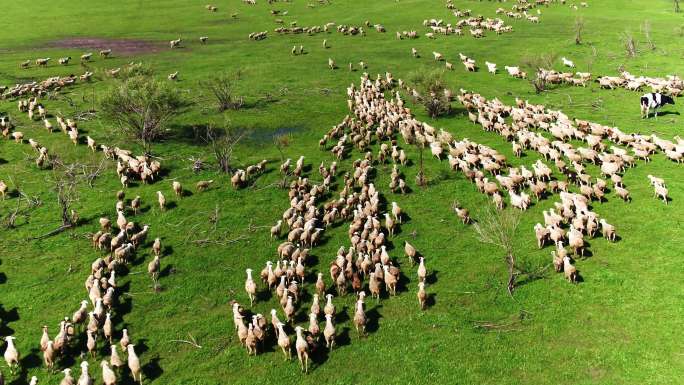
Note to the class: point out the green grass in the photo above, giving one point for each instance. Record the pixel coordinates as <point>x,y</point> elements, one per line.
<point>622,325</point>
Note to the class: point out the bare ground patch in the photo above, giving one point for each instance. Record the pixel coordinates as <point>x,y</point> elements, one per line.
<point>119,47</point>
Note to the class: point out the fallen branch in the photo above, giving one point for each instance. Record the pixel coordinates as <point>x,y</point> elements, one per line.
<point>193,342</point>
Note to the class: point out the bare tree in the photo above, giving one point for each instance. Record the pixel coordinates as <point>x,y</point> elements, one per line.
<point>535,63</point>
<point>281,141</point>
<point>579,28</point>
<point>431,93</point>
<point>65,180</point>
<point>676,6</point>
<point>142,108</point>
<point>222,144</point>
<point>222,86</point>
<point>421,180</point>
<point>629,44</point>
<point>498,228</point>
<point>646,28</point>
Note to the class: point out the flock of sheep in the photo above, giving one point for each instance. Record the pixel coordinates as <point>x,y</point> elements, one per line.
<point>364,266</point>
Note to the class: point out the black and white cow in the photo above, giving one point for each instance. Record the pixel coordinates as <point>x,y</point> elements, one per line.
<point>654,100</point>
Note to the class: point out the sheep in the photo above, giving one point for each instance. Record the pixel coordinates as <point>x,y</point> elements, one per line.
<point>331,64</point>
<point>34,380</point>
<point>49,355</point>
<point>175,43</point>
<point>329,308</point>
<point>622,193</point>
<point>491,67</point>
<point>283,341</point>
<point>25,64</point>
<point>134,364</point>
<point>108,376</point>
<point>607,230</point>
<point>3,189</point>
<point>11,354</point>
<point>203,185</point>
<point>153,269</point>
<point>64,60</point>
<point>570,270</point>
<point>410,252</point>
<point>329,332</point>
<point>302,348</point>
<point>86,57</point>
<point>125,340</point>
<point>68,379</point>
<point>422,271</point>
<point>173,76</point>
<point>660,191</point>
<point>18,136</point>
<point>250,287</point>
<point>91,143</point>
<point>203,39</point>
<point>449,66</point>
<point>414,52</point>
<point>42,62</point>
<point>84,378</point>
<point>162,201</point>
<point>438,56</point>
<point>568,63</point>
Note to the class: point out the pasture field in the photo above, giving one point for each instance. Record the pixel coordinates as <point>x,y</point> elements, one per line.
<point>622,324</point>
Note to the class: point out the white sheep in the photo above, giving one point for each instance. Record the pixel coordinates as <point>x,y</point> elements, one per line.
<point>11,354</point>
<point>438,56</point>
<point>64,60</point>
<point>491,67</point>
<point>568,63</point>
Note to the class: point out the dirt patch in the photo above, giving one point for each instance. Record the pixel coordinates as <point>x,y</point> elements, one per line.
<point>119,47</point>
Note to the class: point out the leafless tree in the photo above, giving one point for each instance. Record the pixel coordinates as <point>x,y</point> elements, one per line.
<point>222,86</point>
<point>646,28</point>
<point>222,143</point>
<point>629,44</point>
<point>579,28</point>
<point>676,6</point>
<point>431,95</point>
<point>281,141</point>
<point>498,228</point>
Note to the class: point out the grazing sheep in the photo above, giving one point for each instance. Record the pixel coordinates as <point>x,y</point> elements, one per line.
<point>84,378</point>
<point>108,376</point>
<point>491,67</point>
<point>86,56</point>
<point>422,295</point>
<point>410,252</point>
<point>570,270</point>
<point>91,143</point>
<point>25,64</point>
<point>3,189</point>
<point>284,341</point>
<point>203,39</point>
<point>203,185</point>
<point>134,364</point>
<point>331,64</point>
<point>68,379</point>
<point>175,43</point>
<point>329,332</point>
<point>422,271</point>
<point>660,191</point>
<point>438,56</point>
<point>105,53</point>
<point>42,62</point>
<point>173,76</point>
<point>11,354</point>
<point>250,287</point>
<point>302,348</point>
<point>414,52</point>
<point>64,60</point>
<point>162,201</point>
<point>568,63</point>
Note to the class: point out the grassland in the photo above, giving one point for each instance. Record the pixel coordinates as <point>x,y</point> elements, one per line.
<point>621,325</point>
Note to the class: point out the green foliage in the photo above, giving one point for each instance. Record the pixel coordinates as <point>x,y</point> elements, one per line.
<point>142,108</point>
<point>431,95</point>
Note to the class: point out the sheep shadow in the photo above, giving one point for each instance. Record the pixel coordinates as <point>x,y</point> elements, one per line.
<point>342,316</point>
<point>167,270</point>
<point>5,318</point>
<point>373,319</point>
<point>431,278</point>
<point>152,370</point>
<point>171,205</point>
<point>3,279</point>
<point>431,300</point>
